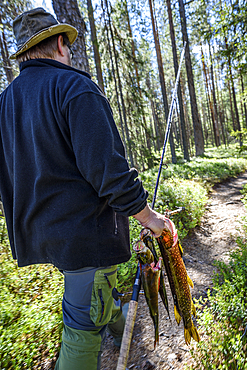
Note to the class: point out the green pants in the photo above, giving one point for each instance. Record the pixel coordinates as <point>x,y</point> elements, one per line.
<point>88,310</point>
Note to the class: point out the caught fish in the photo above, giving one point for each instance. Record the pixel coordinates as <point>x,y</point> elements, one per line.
<point>179,281</point>
<point>146,237</point>
<point>150,275</point>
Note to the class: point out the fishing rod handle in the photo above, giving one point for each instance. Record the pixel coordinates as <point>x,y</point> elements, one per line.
<point>127,335</point>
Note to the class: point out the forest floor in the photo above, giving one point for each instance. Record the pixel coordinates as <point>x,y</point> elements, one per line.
<point>212,240</point>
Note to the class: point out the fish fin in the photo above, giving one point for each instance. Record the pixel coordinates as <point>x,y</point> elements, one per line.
<point>195,334</point>
<point>190,282</point>
<point>180,249</point>
<point>193,309</point>
<point>187,336</point>
<point>191,333</point>
<point>177,316</point>
<point>163,294</point>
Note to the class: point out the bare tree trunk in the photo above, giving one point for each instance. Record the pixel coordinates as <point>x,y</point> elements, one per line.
<point>186,116</point>
<point>67,11</point>
<point>95,45</point>
<point>155,118</point>
<point>209,97</point>
<point>5,55</point>
<point>116,87</point>
<point>220,106</point>
<point>231,106</point>
<point>179,93</point>
<point>214,100</point>
<point>197,126</point>
<point>120,86</point>
<point>233,94</point>
<point>245,109</point>
<point>140,101</point>
<point>162,78</point>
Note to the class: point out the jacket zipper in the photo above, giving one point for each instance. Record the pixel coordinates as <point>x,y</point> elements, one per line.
<point>115,223</point>
<point>102,304</point>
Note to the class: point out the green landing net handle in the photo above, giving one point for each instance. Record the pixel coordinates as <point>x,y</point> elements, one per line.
<point>130,321</point>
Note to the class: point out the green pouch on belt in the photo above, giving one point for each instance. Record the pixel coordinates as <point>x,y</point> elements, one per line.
<point>102,300</point>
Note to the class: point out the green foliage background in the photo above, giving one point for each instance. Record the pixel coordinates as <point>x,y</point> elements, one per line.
<point>223,314</point>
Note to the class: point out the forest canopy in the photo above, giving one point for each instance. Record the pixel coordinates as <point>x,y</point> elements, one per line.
<point>132,50</point>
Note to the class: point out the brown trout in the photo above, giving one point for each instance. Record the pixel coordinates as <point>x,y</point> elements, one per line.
<point>146,237</point>
<point>179,281</point>
<point>150,275</point>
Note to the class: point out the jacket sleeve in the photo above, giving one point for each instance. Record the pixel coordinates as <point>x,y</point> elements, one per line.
<point>100,154</point>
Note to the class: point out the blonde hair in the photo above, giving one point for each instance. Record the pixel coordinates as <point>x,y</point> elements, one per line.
<point>44,49</point>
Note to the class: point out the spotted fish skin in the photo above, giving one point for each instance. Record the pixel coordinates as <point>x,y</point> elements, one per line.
<point>146,237</point>
<point>150,276</point>
<point>179,283</point>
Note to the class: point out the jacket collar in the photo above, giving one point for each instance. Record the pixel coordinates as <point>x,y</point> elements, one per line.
<point>50,62</point>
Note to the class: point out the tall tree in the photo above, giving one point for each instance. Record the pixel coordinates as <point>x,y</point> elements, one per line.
<point>67,11</point>
<point>197,126</point>
<point>180,98</point>
<point>129,147</point>
<point>8,11</point>
<point>162,77</point>
<point>208,92</point>
<point>216,123</point>
<point>5,55</point>
<point>233,91</point>
<point>243,98</point>
<point>95,45</point>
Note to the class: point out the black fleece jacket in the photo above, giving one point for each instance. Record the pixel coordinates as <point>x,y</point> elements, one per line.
<point>66,186</point>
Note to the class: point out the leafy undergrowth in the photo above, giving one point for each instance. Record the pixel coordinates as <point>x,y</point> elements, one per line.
<point>30,310</point>
<point>223,314</point>
<point>30,297</point>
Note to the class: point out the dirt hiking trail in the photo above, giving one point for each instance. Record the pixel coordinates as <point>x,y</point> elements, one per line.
<point>212,240</point>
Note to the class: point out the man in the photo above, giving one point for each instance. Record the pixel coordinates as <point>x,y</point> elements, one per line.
<point>66,186</point>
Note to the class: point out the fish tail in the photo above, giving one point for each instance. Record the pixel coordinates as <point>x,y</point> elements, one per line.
<point>191,333</point>
<point>177,315</point>
<point>190,282</point>
<point>156,328</point>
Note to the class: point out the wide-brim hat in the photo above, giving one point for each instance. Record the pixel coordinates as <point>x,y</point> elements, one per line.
<point>36,25</point>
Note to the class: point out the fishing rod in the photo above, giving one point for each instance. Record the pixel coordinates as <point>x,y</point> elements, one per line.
<point>168,126</point>
<point>130,319</point>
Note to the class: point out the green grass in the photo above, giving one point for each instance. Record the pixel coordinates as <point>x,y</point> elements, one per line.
<point>30,310</point>
<point>223,317</point>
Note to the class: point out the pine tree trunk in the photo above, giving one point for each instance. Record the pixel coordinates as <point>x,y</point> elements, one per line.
<point>5,56</point>
<point>214,100</point>
<point>233,94</point>
<point>95,45</point>
<point>197,126</point>
<point>155,118</point>
<point>133,50</point>
<point>120,86</point>
<point>116,87</point>
<point>220,107</point>
<point>162,79</point>
<point>186,116</point>
<point>245,108</point>
<point>209,97</point>
<point>68,12</point>
<point>231,106</point>
<point>179,93</point>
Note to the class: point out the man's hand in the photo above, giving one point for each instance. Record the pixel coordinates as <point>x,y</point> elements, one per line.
<point>155,222</point>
